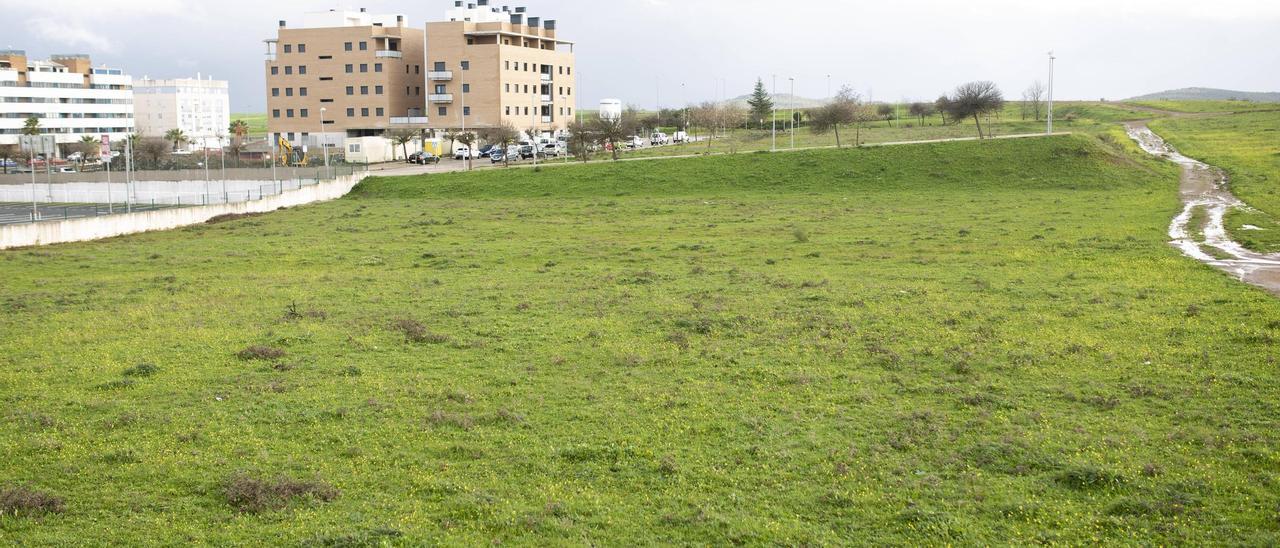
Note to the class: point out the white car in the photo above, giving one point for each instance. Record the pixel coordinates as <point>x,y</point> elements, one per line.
<point>658,138</point>
<point>461,151</point>
<point>634,142</point>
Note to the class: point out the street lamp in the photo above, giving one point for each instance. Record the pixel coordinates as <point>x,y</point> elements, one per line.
<point>773,115</point>
<point>564,152</point>
<point>793,112</point>
<point>324,143</point>
<point>1051,59</point>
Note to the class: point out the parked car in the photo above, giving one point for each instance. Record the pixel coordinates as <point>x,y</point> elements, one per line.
<point>497,155</point>
<point>65,170</point>
<point>486,150</point>
<point>551,150</point>
<point>460,152</point>
<point>413,158</point>
<point>680,137</point>
<point>8,163</point>
<point>425,158</point>
<point>658,138</point>
<point>634,142</point>
<point>526,152</point>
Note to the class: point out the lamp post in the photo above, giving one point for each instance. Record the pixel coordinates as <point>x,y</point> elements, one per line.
<point>1049,131</point>
<point>222,153</point>
<point>324,144</point>
<point>773,114</point>
<point>564,152</point>
<point>793,112</point>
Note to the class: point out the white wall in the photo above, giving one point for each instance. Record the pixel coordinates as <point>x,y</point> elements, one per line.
<point>92,228</point>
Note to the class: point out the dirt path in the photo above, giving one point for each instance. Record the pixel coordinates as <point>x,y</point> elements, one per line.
<point>1205,196</point>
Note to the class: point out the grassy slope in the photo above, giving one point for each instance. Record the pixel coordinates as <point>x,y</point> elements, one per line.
<point>1194,106</point>
<point>257,122</point>
<point>964,342</point>
<point>1248,147</point>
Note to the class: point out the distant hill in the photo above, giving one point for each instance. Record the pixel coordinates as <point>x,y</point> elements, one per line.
<point>1210,94</point>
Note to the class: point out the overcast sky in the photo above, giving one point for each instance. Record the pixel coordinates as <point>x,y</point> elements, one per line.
<point>638,50</point>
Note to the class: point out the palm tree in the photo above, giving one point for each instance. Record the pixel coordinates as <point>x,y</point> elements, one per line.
<point>239,128</point>
<point>31,126</point>
<point>86,147</point>
<point>175,136</point>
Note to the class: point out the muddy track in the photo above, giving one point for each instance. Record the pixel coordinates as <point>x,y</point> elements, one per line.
<point>1205,197</point>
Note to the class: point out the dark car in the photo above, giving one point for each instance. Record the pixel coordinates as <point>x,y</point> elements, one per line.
<point>497,155</point>
<point>486,150</point>
<point>425,158</point>
<point>526,152</point>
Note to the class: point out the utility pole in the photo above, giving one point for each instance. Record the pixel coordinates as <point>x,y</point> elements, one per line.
<point>324,143</point>
<point>106,145</point>
<point>1051,59</point>
<point>773,116</point>
<point>793,112</point>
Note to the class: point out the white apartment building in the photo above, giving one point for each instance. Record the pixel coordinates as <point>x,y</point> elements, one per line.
<point>200,107</point>
<point>67,94</point>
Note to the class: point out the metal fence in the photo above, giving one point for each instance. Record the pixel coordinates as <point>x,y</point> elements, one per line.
<point>69,196</point>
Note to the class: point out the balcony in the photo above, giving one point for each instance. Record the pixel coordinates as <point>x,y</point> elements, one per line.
<point>440,98</point>
<point>546,119</point>
<point>546,98</point>
<point>440,75</point>
<point>388,54</point>
<point>546,76</point>
<point>271,57</point>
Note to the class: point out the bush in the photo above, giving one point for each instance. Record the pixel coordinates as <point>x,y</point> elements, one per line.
<point>250,494</point>
<point>1087,477</point>
<point>141,370</point>
<point>260,352</point>
<point>415,332</point>
<point>23,501</point>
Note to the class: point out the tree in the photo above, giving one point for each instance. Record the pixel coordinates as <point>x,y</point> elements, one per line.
<point>401,137</point>
<point>580,140</point>
<point>468,140</point>
<point>8,153</point>
<point>942,105</point>
<point>88,147</point>
<point>1033,99</point>
<point>841,110</point>
<point>451,136</point>
<point>502,135</point>
<point>886,113</point>
<point>610,132</point>
<point>176,136</point>
<point>239,128</point>
<point>975,99</point>
<point>152,149</point>
<point>31,126</point>
<point>761,103</point>
<point>920,110</point>
<point>708,115</point>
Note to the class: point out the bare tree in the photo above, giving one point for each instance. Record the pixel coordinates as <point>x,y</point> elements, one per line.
<point>842,110</point>
<point>153,149</point>
<point>580,140</point>
<point>921,111</point>
<point>1033,98</point>
<point>401,137</point>
<point>502,135</point>
<point>886,113</point>
<point>975,99</point>
<point>942,105</point>
<point>468,140</point>
<point>610,132</point>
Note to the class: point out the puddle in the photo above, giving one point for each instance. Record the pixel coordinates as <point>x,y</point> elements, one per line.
<point>1205,187</point>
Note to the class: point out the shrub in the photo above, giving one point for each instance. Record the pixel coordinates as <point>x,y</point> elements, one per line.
<point>415,332</point>
<point>1087,477</point>
<point>141,370</point>
<point>800,235</point>
<point>24,501</point>
<point>249,494</point>
<point>260,352</point>
<point>371,537</point>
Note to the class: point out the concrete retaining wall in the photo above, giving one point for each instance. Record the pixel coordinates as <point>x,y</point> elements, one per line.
<point>92,228</point>
<point>149,192</point>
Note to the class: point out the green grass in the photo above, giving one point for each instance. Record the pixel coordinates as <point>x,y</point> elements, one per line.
<point>1247,146</point>
<point>1195,106</point>
<point>960,343</point>
<point>257,122</point>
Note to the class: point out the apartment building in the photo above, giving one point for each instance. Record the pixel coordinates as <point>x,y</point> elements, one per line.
<point>489,65</point>
<point>343,74</point>
<point>71,98</point>
<point>200,107</point>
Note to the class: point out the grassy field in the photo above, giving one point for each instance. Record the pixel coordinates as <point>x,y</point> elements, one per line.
<point>1247,146</point>
<point>960,343</point>
<point>257,123</point>
<point>1194,106</point>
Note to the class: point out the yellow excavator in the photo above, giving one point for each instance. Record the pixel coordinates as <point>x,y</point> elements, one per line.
<point>291,157</point>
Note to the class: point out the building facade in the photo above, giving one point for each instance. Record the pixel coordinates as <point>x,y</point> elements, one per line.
<point>200,107</point>
<point>343,74</point>
<point>489,65</point>
<point>69,97</point>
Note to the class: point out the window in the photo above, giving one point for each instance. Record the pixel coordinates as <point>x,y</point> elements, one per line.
<point>406,69</point>
<point>349,69</point>
<point>506,65</point>
<point>364,111</point>
<point>346,46</point>
<point>570,91</point>
<point>364,67</point>
<point>326,78</point>
<point>288,48</point>
<point>302,92</point>
<point>466,65</point>
<point>408,90</point>
<point>417,69</point>
<point>526,88</point>
<point>351,90</point>
<point>354,148</point>
<point>326,100</point>
<point>417,90</point>
<point>466,88</point>
<point>526,67</point>
<point>439,66</point>
<point>561,90</point>
<point>288,92</point>
<point>275,92</point>
<point>275,71</point>
<point>466,111</point>
<point>351,112</point>
<point>303,113</point>
<point>439,89</point>
<point>570,111</point>
<point>302,69</point>
<point>288,70</point>
<point>325,57</point>
<point>508,111</point>
<point>288,113</point>
<point>560,69</point>
<point>443,111</point>
<point>508,88</point>
<point>302,48</point>
<point>471,41</point>
<point>379,112</point>
<point>275,113</point>
<point>364,90</point>
<point>364,46</point>
<point>377,67</point>
<point>377,90</point>
<point>568,70</point>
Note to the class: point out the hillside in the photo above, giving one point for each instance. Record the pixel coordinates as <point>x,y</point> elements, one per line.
<point>973,343</point>
<point>1209,94</point>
